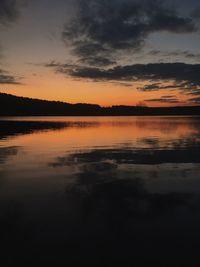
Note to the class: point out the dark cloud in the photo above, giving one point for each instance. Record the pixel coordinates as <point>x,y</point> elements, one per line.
<point>194,92</point>
<point>195,100</point>
<point>51,64</point>
<point>59,66</point>
<point>104,28</point>
<point>6,78</point>
<point>154,52</point>
<point>151,87</point>
<point>185,75</point>
<point>187,54</point>
<point>177,53</point>
<point>97,61</point>
<point>196,13</point>
<point>9,10</point>
<point>165,99</point>
<point>186,87</point>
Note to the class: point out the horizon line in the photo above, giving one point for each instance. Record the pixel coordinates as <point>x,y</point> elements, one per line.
<point>95,104</point>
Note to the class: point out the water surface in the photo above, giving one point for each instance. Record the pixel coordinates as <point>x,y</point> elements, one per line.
<point>100,191</point>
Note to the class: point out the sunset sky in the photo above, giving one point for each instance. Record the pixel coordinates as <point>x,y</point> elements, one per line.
<point>106,52</point>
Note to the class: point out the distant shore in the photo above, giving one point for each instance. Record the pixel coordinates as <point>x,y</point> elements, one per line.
<point>11,105</point>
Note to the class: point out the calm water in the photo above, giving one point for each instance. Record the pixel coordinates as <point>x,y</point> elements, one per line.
<point>122,191</point>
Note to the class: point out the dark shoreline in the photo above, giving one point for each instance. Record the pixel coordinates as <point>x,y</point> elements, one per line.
<point>12,106</point>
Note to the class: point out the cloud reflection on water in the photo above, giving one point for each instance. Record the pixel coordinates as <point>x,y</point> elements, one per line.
<point>131,201</point>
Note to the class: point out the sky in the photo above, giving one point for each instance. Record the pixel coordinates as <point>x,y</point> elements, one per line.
<point>107,52</point>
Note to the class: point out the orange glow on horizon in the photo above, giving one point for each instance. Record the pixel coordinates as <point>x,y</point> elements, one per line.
<point>51,86</point>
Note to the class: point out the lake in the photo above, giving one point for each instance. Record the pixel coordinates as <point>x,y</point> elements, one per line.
<point>100,191</point>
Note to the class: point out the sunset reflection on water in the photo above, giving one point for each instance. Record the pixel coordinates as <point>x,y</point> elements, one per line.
<point>106,188</point>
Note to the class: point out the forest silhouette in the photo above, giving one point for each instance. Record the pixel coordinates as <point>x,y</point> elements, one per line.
<point>11,105</point>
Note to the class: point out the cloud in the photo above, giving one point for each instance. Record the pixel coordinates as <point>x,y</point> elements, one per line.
<point>177,53</point>
<point>185,86</point>
<point>103,29</point>
<point>195,100</point>
<point>9,10</point>
<point>157,76</point>
<point>151,87</point>
<point>97,61</point>
<point>194,92</point>
<point>6,78</point>
<point>165,99</point>
<point>196,13</point>
<point>185,75</point>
